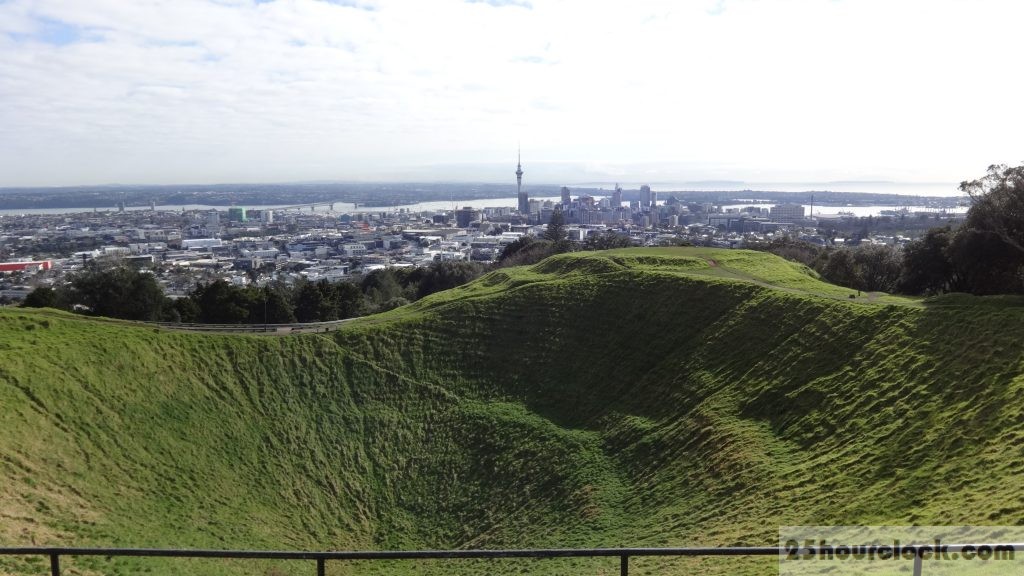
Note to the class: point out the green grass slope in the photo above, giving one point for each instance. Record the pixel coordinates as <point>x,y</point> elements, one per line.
<point>642,397</point>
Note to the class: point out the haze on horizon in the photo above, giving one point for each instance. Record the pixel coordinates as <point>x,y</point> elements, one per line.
<point>162,92</point>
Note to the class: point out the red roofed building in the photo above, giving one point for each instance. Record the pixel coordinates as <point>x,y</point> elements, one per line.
<point>23,266</point>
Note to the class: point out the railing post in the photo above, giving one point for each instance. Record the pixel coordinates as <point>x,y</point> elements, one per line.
<point>624,565</point>
<point>320,568</point>
<point>917,563</point>
<point>54,565</point>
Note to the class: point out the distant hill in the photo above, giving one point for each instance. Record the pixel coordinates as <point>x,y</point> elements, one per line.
<point>643,397</point>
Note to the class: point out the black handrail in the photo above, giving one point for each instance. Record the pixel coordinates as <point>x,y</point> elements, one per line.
<point>909,551</point>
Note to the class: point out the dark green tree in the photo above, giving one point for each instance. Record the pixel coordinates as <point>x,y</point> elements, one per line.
<point>927,266</point>
<point>998,204</point>
<point>392,304</point>
<point>328,301</point>
<point>878,268</point>
<point>987,251</point>
<point>556,230</point>
<point>221,303</point>
<point>349,299</point>
<point>187,309</point>
<point>445,275</point>
<point>524,251</point>
<point>44,297</point>
<point>380,286</point>
<point>606,241</point>
<point>270,306</point>
<point>309,300</point>
<point>118,292</point>
<point>985,263</point>
<point>837,266</point>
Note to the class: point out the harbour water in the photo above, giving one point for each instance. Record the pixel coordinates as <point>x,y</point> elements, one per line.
<point>477,203</point>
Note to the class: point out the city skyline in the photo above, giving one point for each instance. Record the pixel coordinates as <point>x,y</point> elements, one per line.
<point>811,91</point>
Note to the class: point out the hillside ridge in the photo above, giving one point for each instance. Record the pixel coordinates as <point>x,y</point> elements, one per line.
<point>628,398</point>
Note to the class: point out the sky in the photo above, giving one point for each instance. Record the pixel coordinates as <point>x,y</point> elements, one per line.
<point>209,91</point>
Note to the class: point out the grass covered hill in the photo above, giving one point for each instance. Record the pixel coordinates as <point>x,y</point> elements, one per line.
<point>643,397</point>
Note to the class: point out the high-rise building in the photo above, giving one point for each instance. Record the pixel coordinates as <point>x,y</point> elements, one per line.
<point>533,207</point>
<point>236,214</point>
<point>213,222</point>
<point>787,213</point>
<point>566,199</point>
<point>524,198</point>
<point>617,196</point>
<point>465,216</point>
<point>645,197</point>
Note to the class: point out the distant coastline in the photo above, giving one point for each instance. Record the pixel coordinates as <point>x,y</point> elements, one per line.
<point>442,196</point>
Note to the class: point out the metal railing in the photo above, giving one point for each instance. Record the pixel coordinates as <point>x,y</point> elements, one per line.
<point>915,552</point>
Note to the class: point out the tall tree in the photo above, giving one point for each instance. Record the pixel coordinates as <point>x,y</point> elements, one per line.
<point>349,298</point>
<point>308,300</point>
<point>985,264</point>
<point>927,266</point>
<point>118,292</point>
<point>556,231</point>
<point>998,203</point>
<point>837,267</point>
<point>270,306</point>
<point>606,241</point>
<point>444,275</point>
<point>878,268</point>
<point>525,250</point>
<point>43,297</point>
<point>221,303</point>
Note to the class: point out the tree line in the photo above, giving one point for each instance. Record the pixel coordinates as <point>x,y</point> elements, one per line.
<point>982,256</point>
<point>118,291</point>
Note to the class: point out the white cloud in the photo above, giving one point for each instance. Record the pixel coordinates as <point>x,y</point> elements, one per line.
<point>234,90</point>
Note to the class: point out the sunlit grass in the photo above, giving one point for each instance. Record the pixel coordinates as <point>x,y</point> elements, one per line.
<point>641,397</point>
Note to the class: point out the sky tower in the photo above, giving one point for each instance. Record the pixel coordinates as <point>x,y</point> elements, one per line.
<point>524,198</point>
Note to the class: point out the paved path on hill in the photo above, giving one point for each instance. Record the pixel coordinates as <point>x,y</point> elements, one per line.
<point>267,329</point>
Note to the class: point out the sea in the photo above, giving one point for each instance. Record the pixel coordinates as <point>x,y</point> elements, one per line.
<point>915,189</point>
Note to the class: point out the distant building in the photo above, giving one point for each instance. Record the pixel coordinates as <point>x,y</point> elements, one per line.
<point>213,222</point>
<point>139,261</point>
<point>787,213</point>
<point>34,266</point>
<point>617,196</point>
<point>645,197</point>
<point>545,215</point>
<point>464,216</point>
<point>566,199</point>
<point>236,214</point>
<point>201,243</point>
<point>532,207</point>
<point>523,197</point>
<point>353,250</point>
